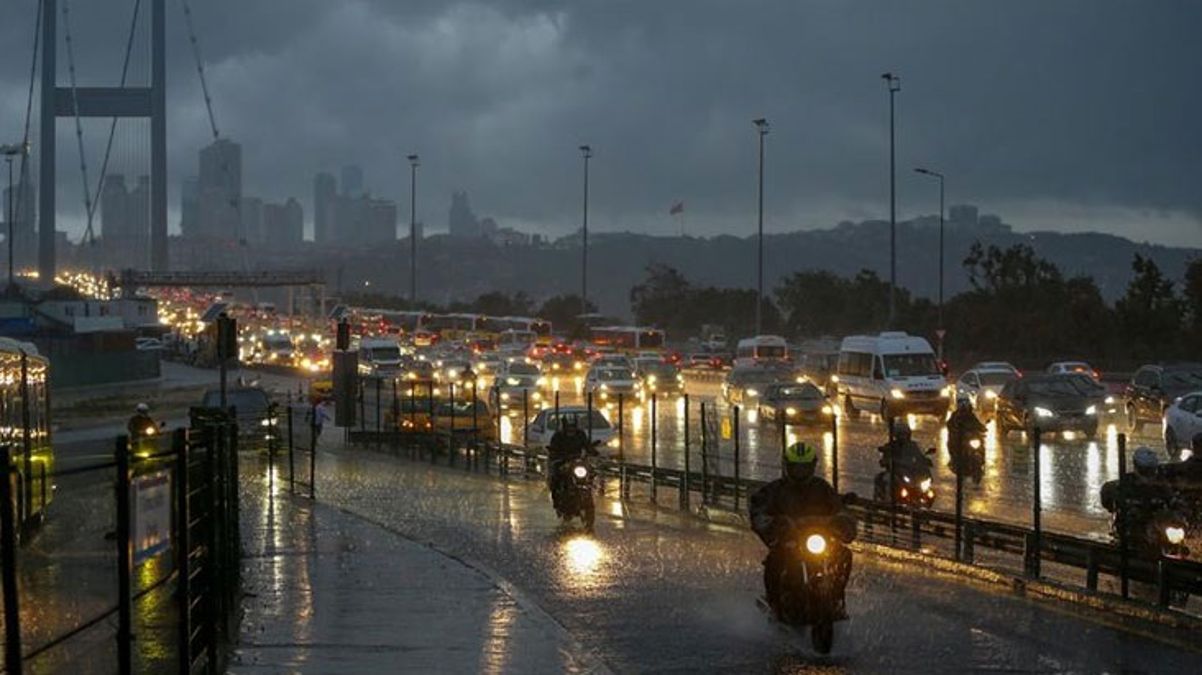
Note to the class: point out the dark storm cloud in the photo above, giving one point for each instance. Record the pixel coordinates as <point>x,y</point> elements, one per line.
<point>1045,107</point>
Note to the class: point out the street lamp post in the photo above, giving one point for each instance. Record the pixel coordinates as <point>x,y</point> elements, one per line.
<point>894,84</point>
<point>762,129</point>
<point>938,176</point>
<point>586,152</point>
<point>413,164</point>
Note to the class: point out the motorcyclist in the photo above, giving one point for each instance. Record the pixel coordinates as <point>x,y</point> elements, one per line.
<point>799,494</point>
<point>899,455</point>
<point>1138,495</point>
<point>141,423</point>
<point>962,426</point>
<point>567,444</point>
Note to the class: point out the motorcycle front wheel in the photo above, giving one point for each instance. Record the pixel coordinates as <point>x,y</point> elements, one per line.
<point>588,512</point>
<point>822,636</point>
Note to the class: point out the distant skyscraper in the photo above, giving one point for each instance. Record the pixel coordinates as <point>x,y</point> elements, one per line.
<point>325,191</point>
<point>252,220</point>
<point>461,222</point>
<point>125,221</point>
<point>220,193</point>
<point>189,207</point>
<point>283,224</point>
<point>352,181</point>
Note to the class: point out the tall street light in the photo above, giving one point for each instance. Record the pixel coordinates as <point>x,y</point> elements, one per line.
<point>762,128</point>
<point>894,84</point>
<point>413,164</point>
<point>10,151</point>
<point>586,152</point>
<point>939,177</point>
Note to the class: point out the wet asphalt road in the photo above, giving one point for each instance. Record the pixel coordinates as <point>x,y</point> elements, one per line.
<point>656,592</point>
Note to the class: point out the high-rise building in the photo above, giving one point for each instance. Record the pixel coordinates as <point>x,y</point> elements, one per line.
<point>283,224</point>
<point>325,192</point>
<point>352,181</point>
<point>252,220</point>
<point>189,207</point>
<point>220,190</point>
<point>125,221</point>
<point>461,221</point>
<point>381,221</point>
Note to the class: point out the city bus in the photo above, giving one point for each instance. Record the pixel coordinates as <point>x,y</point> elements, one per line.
<point>456,327</point>
<point>25,427</point>
<point>627,338</point>
<point>761,350</point>
<point>539,327</point>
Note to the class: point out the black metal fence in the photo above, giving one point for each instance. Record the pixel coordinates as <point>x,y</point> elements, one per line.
<point>709,478</point>
<point>156,531</point>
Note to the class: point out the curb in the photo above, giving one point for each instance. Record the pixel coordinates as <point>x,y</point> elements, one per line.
<point>1043,590</point>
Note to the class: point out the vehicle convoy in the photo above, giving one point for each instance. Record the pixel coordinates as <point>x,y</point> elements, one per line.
<point>1153,389</point>
<point>1051,403</point>
<point>890,374</point>
<point>794,404</point>
<point>1182,423</point>
<point>379,357</point>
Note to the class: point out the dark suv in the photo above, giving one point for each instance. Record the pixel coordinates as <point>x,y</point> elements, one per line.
<point>1154,388</point>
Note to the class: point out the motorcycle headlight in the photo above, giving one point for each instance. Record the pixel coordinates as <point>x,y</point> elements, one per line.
<point>897,393</point>
<point>1044,412</point>
<point>580,472</point>
<point>990,394</point>
<point>1174,534</point>
<point>816,544</point>
<point>975,444</point>
<point>925,484</point>
<point>1091,410</point>
<point>150,431</point>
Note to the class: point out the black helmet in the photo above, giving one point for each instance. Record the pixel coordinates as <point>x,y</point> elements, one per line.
<point>902,433</point>
<point>570,422</point>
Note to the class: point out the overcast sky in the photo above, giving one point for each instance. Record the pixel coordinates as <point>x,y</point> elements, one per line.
<point>1056,115</point>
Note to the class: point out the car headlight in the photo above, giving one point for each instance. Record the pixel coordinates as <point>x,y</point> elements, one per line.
<point>504,396</point>
<point>512,381</point>
<point>452,374</point>
<point>1109,400</point>
<point>536,396</point>
<point>1174,534</point>
<point>946,392</point>
<point>752,392</point>
<point>542,382</point>
<point>580,472</point>
<point>650,379</point>
<point>816,544</point>
<point>604,387</point>
<point>1044,412</point>
<point>1091,410</point>
<point>897,393</point>
<point>990,394</point>
<point>925,484</point>
<point>790,411</point>
<point>680,377</point>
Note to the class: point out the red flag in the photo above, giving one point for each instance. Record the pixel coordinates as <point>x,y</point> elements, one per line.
<point>677,207</point>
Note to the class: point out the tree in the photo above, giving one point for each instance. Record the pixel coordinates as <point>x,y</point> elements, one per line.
<point>562,310</point>
<point>661,299</point>
<point>1149,315</point>
<point>499,303</point>
<point>1193,297</point>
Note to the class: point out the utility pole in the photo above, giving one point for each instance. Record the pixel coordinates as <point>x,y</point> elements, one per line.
<point>762,129</point>
<point>894,84</point>
<point>587,153</point>
<point>413,164</point>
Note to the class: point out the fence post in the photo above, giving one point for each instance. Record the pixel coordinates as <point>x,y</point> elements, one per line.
<point>124,560</point>
<point>362,406</point>
<point>784,440</point>
<point>272,432</point>
<point>654,450</point>
<point>892,485</point>
<point>379,401</point>
<point>1163,583</point>
<point>834,448</point>
<point>705,458</point>
<point>1036,543</point>
<point>183,590</point>
<point>313,427</point>
<point>685,482</point>
<point>8,558</point>
<point>476,427</point>
<point>451,434</point>
<point>959,468</point>
<point>525,419</point>
<point>291,454</point>
<point>1124,548</point>
<point>735,430</point>
<point>623,479</point>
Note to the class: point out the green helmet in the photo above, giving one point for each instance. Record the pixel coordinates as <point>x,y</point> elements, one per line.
<point>801,453</point>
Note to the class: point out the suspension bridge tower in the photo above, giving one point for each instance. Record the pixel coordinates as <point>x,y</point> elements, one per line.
<point>112,102</point>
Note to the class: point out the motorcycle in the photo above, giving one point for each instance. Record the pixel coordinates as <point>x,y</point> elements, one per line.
<point>972,459</point>
<point>811,587</point>
<point>574,492</point>
<point>912,485</point>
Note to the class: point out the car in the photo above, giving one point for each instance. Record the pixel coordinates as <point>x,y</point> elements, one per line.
<point>544,425</point>
<point>457,371</point>
<point>744,385</point>
<point>1153,389</point>
<point>488,363</point>
<point>1051,403</point>
<point>379,357</point>
<point>1065,367</point>
<point>148,344</point>
<point>794,403</point>
<point>516,382</point>
<point>462,419</point>
<point>613,361</point>
<point>1182,421</point>
<point>609,382</point>
<point>983,383</point>
<point>658,376</point>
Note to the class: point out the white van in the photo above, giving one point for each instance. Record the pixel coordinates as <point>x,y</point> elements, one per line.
<point>761,350</point>
<point>890,374</point>
<point>379,357</point>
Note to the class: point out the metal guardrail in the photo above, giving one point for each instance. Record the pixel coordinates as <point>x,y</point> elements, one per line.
<point>880,521</point>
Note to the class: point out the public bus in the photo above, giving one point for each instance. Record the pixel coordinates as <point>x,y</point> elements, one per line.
<point>25,427</point>
<point>524,324</point>
<point>459,326</point>
<point>627,338</point>
<point>761,350</point>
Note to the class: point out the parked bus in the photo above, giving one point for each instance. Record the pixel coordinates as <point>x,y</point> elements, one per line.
<point>25,427</point>
<point>761,350</point>
<point>628,338</point>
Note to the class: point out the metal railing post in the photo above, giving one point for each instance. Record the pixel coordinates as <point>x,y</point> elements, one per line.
<point>451,435</point>
<point>782,428</point>
<point>1036,552</point>
<point>892,484</point>
<point>525,419</point>
<point>313,426</point>
<point>834,448</point>
<point>621,430</point>
<point>959,501</point>
<point>685,482</point>
<point>1124,546</point>
<point>291,453</point>
<point>8,566</point>
<point>735,430</point>
<point>705,457</point>
<point>124,560</point>
<point>475,427</point>
<point>379,402</point>
<point>654,450</point>
<point>183,588</point>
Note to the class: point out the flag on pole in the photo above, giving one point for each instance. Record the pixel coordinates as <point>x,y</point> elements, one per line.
<point>677,207</point>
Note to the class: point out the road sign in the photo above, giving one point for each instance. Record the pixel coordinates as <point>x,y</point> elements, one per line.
<point>151,515</point>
